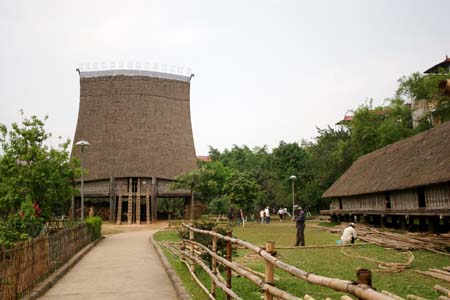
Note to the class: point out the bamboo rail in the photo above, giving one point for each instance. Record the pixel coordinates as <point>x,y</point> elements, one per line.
<point>442,290</point>
<point>250,276</point>
<point>359,290</point>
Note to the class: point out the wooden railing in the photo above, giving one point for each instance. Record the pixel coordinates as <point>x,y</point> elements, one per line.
<point>190,248</point>
<point>26,263</point>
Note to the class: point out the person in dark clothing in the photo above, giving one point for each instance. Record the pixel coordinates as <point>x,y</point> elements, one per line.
<point>230,216</point>
<point>300,224</point>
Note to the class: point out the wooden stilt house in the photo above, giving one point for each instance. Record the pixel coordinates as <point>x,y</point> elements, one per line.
<point>403,185</point>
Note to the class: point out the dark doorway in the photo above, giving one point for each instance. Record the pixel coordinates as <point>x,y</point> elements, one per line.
<point>388,199</point>
<point>340,203</point>
<point>421,196</point>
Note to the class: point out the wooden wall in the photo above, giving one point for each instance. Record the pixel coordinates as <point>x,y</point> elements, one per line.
<point>438,196</point>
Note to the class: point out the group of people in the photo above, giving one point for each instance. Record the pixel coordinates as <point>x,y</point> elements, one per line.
<point>348,235</point>
<point>265,215</point>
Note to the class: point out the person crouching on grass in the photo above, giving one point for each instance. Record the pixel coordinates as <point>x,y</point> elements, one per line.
<point>349,234</point>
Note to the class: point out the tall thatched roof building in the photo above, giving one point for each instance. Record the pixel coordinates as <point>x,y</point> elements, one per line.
<point>408,178</point>
<point>139,128</point>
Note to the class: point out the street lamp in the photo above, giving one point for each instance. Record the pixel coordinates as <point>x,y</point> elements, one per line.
<point>293,179</point>
<point>82,144</point>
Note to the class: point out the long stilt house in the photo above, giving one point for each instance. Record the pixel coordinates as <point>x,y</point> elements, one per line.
<point>403,185</point>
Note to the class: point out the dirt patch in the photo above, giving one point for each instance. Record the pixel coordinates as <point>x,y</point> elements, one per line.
<point>109,228</point>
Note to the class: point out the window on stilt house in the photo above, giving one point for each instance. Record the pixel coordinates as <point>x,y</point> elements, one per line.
<point>421,196</point>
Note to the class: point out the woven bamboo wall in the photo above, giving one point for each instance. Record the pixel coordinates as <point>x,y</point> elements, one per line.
<point>404,199</point>
<point>438,196</point>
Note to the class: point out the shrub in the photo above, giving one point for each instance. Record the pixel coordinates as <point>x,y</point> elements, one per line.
<point>22,226</point>
<point>205,239</point>
<point>94,225</point>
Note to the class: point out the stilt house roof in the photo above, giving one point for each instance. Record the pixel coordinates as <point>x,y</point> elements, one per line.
<point>420,160</point>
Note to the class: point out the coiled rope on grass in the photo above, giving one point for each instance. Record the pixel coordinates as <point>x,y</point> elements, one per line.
<point>388,267</point>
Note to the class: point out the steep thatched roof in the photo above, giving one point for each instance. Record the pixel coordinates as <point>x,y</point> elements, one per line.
<point>420,160</point>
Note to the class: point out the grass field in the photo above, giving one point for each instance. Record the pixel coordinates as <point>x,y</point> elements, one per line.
<point>327,261</point>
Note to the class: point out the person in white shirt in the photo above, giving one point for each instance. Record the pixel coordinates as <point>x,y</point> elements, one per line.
<point>349,234</point>
<point>267,213</point>
<point>262,215</point>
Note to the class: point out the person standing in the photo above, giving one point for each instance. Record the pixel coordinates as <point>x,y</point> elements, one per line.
<point>263,216</point>
<point>241,219</point>
<point>267,214</point>
<point>281,214</point>
<point>300,225</point>
<point>349,234</point>
<point>230,216</point>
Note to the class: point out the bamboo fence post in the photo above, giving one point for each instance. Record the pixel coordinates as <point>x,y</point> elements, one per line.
<point>191,238</point>
<point>443,298</point>
<point>214,264</point>
<point>228,257</point>
<point>364,277</point>
<point>269,270</point>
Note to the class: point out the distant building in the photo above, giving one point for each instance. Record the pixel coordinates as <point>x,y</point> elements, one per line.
<point>444,65</point>
<point>422,107</point>
<point>204,158</point>
<point>401,185</point>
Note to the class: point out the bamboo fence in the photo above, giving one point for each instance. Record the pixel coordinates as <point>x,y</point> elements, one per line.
<point>26,263</point>
<point>267,283</point>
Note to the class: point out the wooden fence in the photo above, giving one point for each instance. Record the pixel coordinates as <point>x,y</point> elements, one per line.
<point>191,249</point>
<point>26,263</point>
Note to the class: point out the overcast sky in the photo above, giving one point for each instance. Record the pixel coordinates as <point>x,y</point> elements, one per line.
<point>265,71</point>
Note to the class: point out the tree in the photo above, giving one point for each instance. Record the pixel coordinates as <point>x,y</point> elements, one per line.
<point>243,192</point>
<point>30,171</point>
<point>189,181</point>
<point>426,87</point>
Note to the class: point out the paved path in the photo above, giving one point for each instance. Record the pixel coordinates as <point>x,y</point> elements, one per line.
<point>122,266</point>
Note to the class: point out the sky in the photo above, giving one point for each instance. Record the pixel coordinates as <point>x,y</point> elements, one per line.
<point>265,71</point>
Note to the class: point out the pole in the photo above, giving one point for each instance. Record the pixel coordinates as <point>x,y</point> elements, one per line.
<point>82,186</point>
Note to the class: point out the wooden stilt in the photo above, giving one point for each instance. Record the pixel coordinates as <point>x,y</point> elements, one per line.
<point>147,203</point>
<point>119,209</point>
<point>130,203</point>
<point>138,202</point>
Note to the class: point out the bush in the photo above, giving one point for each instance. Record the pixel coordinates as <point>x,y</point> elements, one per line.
<point>205,239</point>
<point>94,225</point>
<point>22,226</point>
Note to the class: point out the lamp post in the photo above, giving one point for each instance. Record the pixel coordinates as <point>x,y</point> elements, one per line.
<point>82,144</point>
<point>293,179</point>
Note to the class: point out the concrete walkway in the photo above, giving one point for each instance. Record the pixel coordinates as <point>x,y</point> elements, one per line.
<point>122,266</point>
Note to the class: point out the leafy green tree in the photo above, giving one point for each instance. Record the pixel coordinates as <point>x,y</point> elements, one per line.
<point>242,191</point>
<point>372,129</point>
<point>189,181</point>
<point>30,171</point>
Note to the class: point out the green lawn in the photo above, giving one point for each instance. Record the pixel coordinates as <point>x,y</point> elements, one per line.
<point>328,261</point>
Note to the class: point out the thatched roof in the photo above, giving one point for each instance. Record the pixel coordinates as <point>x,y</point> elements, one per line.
<point>137,125</point>
<point>420,160</point>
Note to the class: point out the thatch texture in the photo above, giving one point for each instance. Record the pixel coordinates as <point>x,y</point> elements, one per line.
<point>137,125</point>
<point>420,160</point>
